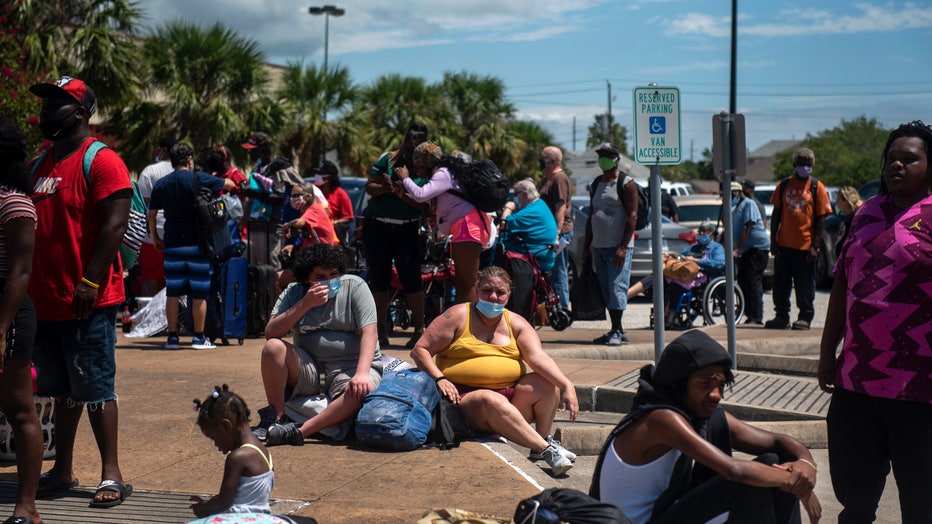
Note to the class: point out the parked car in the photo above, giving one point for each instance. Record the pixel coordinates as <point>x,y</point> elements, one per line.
<point>869,189</point>
<point>675,239</point>
<point>671,188</point>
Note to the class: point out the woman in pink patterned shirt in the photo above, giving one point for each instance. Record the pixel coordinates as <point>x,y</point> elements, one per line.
<point>881,308</point>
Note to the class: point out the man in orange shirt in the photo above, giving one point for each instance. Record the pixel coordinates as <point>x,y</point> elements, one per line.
<point>799,211</point>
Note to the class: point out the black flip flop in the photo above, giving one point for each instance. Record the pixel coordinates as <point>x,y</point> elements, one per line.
<point>18,520</point>
<point>49,486</point>
<point>125,490</point>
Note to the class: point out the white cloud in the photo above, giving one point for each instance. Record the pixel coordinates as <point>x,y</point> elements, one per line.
<point>801,22</point>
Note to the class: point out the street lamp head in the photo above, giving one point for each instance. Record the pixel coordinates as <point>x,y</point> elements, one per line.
<point>330,10</point>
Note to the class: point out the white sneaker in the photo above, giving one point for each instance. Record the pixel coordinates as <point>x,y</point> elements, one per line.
<point>202,342</point>
<point>557,444</point>
<point>558,463</point>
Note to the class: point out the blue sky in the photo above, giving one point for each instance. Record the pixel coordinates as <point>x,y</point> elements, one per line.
<point>802,68</point>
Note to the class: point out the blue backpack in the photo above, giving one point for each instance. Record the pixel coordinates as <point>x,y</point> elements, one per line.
<point>397,416</point>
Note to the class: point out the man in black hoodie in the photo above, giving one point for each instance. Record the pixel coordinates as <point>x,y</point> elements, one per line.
<point>669,460</point>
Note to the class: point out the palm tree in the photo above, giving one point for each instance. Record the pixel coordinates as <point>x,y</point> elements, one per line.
<point>205,85</point>
<point>309,94</point>
<point>382,113</point>
<point>534,138</point>
<point>87,39</point>
<point>480,109</point>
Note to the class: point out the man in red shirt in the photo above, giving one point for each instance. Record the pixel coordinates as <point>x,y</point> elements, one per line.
<point>77,283</point>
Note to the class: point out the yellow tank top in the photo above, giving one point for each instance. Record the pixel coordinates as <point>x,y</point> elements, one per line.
<point>472,362</point>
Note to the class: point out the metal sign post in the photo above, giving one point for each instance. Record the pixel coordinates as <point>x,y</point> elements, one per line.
<point>657,141</point>
<point>729,160</point>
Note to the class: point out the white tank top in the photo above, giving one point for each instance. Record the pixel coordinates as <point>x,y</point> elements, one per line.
<point>635,488</point>
<point>252,495</point>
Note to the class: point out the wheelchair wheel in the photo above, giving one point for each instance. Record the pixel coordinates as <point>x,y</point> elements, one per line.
<point>714,302</point>
<point>559,318</point>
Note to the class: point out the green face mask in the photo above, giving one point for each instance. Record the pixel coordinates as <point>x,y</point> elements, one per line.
<point>606,163</point>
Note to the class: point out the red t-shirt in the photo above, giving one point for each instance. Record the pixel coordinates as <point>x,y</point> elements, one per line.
<point>316,218</point>
<point>340,204</point>
<point>68,228</point>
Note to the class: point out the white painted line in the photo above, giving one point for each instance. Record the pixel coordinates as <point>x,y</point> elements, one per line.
<point>513,466</point>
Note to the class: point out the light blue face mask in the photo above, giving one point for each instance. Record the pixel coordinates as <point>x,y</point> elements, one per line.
<point>490,309</point>
<point>333,285</point>
<point>703,239</point>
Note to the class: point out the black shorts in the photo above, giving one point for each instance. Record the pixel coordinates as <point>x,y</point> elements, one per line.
<point>20,337</point>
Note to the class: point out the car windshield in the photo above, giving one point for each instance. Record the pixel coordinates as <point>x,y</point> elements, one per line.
<point>763,195</point>
<point>699,213</point>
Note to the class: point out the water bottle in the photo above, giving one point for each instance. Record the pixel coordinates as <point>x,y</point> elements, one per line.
<point>127,320</point>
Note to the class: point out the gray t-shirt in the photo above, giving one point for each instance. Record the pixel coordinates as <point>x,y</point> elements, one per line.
<point>608,216</point>
<point>330,333</point>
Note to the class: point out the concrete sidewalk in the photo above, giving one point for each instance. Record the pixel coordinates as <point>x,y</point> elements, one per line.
<point>162,450</point>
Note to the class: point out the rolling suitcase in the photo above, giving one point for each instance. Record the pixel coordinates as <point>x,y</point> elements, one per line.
<point>261,286</point>
<point>226,306</point>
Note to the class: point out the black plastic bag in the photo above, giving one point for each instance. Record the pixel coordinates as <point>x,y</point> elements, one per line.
<point>556,505</point>
<point>586,295</point>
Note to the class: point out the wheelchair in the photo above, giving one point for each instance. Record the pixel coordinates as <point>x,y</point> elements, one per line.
<point>706,300</point>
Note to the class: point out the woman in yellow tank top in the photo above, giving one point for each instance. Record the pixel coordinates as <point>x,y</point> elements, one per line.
<point>482,351</point>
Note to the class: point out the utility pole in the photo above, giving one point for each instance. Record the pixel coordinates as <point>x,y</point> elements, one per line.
<point>574,132</point>
<point>732,103</point>
<point>608,117</point>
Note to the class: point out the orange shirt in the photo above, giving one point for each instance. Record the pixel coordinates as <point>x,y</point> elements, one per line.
<point>797,211</point>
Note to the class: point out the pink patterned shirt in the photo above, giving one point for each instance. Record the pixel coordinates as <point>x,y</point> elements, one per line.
<point>887,260</point>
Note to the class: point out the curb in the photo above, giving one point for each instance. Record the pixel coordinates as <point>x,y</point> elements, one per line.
<point>588,440</point>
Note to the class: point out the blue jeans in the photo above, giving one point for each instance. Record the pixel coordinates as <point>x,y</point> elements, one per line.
<point>613,280</point>
<point>76,357</point>
<point>558,274</point>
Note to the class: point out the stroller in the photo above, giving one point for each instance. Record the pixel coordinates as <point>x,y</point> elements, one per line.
<point>533,296</point>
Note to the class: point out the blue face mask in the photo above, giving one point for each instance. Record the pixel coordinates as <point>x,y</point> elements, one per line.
<point>703,239</point>
<point>490,309</point>
<point>333,285</point>
<point>803,171</point>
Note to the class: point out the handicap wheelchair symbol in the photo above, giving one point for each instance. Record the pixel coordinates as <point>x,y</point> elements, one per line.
<point>658,125</point>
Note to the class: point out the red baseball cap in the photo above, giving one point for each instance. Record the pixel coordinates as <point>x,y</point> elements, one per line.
<point>257,139</point>
<point>68,87</point>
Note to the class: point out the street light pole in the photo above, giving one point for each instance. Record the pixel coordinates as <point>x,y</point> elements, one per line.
<point>327,11</point>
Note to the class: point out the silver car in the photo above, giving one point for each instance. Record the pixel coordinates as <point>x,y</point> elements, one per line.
<point>676,238</point>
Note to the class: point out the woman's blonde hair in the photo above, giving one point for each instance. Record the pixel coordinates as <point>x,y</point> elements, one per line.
<point>495,272</point>
<point>851,196</point>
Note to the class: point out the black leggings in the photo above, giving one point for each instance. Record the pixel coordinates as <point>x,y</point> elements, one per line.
<point>743,502</point>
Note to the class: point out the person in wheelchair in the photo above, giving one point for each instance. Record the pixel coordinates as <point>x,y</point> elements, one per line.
<point>707,253</point>
<point>528,229</point>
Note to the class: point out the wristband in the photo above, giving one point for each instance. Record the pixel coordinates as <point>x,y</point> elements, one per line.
<point>438,379</point>
<point>89,284</point>
<point>808,462</point>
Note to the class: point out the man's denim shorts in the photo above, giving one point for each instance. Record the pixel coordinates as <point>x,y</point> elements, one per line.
<point>76,357</point>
